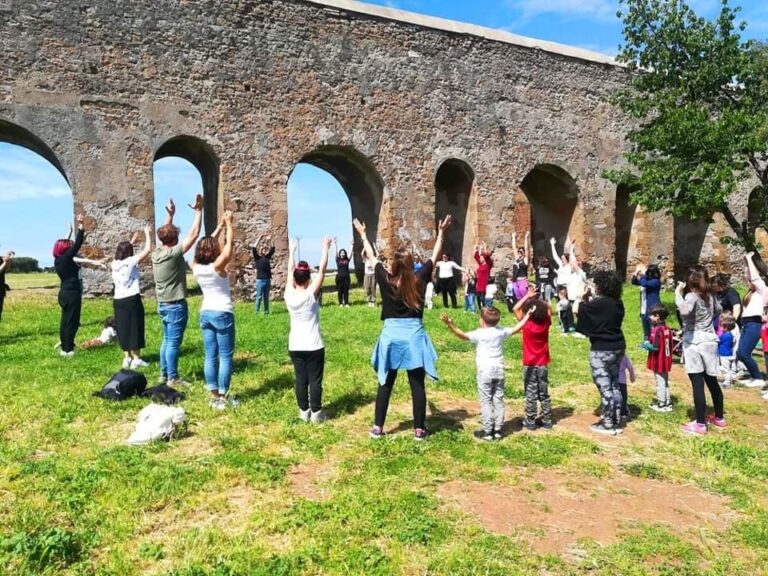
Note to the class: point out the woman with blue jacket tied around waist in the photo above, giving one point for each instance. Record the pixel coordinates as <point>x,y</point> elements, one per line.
<point>649,281</point>
<point>403,342</point>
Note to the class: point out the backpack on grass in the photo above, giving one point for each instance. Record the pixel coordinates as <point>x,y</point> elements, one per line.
<point>122,385</point>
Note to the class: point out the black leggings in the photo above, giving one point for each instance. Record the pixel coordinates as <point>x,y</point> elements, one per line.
<point>308,367</point>
<point>418,395</point>
<point>2,301</point>
<point>71,304</point>
<point>698,381</point>
<point>480,300</point>
<point>342,286</point>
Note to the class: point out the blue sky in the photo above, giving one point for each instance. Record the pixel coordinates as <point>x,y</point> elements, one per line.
<point>36,203</point>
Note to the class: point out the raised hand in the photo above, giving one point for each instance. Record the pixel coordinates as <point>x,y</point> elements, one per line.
<point>170,207</point>
<point>136,236</point>
<point>552,241</point>
<point>680,287</point>
<point>359,226</point>
<point>227,218</point>
<point>445,318</point>
<point>198,205</point>
<point>327,242</point>
<point>292,245</point>
<point>445,222</point>
<point>80,219</point>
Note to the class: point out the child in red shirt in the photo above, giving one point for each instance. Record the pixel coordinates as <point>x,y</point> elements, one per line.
<point>659,346</point>
<point>535,358</point>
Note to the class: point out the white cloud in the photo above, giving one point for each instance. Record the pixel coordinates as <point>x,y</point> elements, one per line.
<point>24,176</point>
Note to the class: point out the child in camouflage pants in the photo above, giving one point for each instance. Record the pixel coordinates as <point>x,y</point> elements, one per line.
<point>535,358</point>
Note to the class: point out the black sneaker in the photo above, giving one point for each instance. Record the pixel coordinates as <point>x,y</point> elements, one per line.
<point>546,425</point>
<point>601,428</point>
<point>528,425</point>
<point>483,435</point>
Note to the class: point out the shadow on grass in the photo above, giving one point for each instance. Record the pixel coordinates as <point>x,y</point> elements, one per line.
<point>347,404</point>
<point>438,420</point>
<point>280,383</point>
<point>515,424</point>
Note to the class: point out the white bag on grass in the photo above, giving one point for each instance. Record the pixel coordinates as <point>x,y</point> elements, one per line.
<point>158,422</point>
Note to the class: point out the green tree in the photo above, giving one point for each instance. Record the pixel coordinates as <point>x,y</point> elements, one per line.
<point>699,100</point>
<point>24,264</point>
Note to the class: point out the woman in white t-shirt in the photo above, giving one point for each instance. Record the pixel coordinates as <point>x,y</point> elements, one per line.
<point>305,344</point>
<point>446,279</point>
<point>128,307</point>
<point>217,321</point>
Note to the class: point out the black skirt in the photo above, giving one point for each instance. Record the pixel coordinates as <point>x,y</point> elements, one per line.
<point>129,322</point>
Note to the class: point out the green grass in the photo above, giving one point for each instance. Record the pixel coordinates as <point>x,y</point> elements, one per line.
<point>237,495</point>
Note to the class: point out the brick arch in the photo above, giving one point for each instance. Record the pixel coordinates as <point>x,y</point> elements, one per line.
<point>14,134</point>
<point>202,156</point>
<point>360,181</point>
<point>454,182</point>
<point>553,195</point>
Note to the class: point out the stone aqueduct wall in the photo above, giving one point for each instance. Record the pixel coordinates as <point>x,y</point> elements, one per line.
<point>245,89</point>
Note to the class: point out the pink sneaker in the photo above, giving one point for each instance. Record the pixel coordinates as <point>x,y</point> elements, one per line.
<point>694,428</point>
<point>717,422</point>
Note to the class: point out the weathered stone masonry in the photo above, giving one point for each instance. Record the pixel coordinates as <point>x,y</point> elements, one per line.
<point>414,116</point>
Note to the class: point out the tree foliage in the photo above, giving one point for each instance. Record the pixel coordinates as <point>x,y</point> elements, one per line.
<point>24,264</point>
<point>699,97</point>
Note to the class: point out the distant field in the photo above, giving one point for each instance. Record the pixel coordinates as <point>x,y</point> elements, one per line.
<point>32,281</point>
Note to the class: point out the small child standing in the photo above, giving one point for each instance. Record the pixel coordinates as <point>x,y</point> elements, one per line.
<point>509,293</point>
<point>490,294</point>
<point>726,348</point>
<point>535,358</point>
<point>565,311</point>
<point>469,291</point>
<point>659,346</point>
<point>625,369</point>
<point>489,339</point>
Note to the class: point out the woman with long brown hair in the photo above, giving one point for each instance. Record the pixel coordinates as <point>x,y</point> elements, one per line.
<point>698,307</point>
<point>403,342</point>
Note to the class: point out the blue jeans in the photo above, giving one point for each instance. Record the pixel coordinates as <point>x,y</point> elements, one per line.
<point>469,302</point>
<point>750,335</point>
<point>219,344</point>
<point>174,320</point>
<point>262,294</point>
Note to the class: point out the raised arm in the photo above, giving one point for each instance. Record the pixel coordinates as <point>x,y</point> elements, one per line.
<point>7,261</point>
<point>289,282</point>
<point>453,328</point>
<point>220,264</point>
<point>147,249</point>
<point>79,238</point>
<point>441,226</point>
<point>684,306</point>
<point>317,284</point>
<point>370,253</point>
<point>753,275</point>
<point>170,211</point>
<point>522,321</point>
<point>532,294</point>
<point>514,243</point>
<point>555,256</point>
<point>527,248</point>
<point>194,231</point>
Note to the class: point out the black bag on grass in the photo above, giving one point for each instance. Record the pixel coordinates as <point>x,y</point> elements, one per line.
<point>122,385</point>
<point>163,394</point>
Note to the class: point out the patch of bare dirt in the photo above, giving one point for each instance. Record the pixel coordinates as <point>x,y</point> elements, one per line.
<point>311,480</point>
<point>553,510</point>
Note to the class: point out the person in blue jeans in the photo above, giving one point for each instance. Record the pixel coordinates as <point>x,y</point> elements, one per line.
<point>755,301</point>
<point>262,252</point>
<point>170,272</point>
<point>217,320</point>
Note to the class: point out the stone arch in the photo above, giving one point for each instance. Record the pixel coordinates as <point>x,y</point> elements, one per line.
<point>454,180</point>
<point>15,134</point>
<point>202,156</point>
<point>757,217</point>
<point>361,183</point>
<point>553,195</point>
<point>624,220</point>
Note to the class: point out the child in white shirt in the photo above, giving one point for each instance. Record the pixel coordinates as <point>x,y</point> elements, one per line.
<point>489,339</point>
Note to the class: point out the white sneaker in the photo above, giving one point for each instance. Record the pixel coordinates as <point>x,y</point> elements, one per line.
<point>305,415</point>
<point>66,354</point>
<point>126,362</point>
<point>754,383</point>
<point>317,417</point>
<point>764,395</point>
<point>139,363</point>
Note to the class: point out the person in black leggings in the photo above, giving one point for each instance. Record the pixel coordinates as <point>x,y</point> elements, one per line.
<point>342,277</point>
<point>71,289</point>
<point>5,263</point>
<point>403,343</point>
